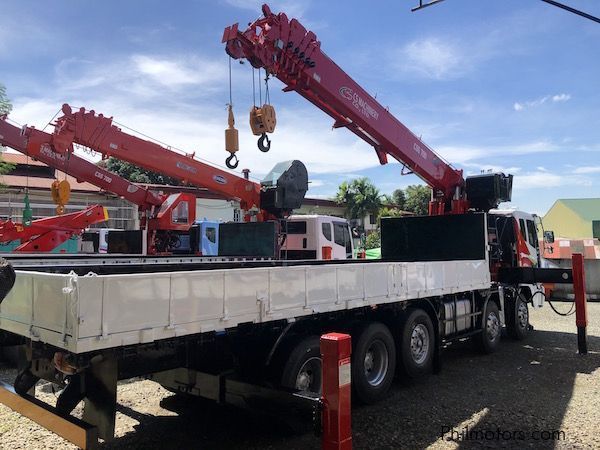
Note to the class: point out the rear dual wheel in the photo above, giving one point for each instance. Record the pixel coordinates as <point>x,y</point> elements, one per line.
<point>303,368</point>
<point>517,317</point>
<point>417,344</point>
<point>373,364</point>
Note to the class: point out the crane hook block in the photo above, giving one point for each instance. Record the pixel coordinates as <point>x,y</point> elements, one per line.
<point>232,144</point>
<point>61,192</point>
<point>262,120</point>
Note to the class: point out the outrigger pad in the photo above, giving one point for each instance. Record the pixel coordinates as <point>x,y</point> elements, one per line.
<point>7,278</point>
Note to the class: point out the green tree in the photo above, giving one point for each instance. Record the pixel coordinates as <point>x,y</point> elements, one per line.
<point>387,211</point>
<point>399,199</point>
<point>5,105</point>
<point>136,174</point>
<point>5,108</point>
<point>417,199</point>
<point>360,197</point>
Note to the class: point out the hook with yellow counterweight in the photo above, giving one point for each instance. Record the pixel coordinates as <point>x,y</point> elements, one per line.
<point>61,191</point>
<point>263,121</point>
<point>232,144</point>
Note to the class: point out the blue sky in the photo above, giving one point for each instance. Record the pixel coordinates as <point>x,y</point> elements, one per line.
<point>507,85</point>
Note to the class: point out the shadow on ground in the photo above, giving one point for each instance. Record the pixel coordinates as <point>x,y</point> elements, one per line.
<point>525,388</point>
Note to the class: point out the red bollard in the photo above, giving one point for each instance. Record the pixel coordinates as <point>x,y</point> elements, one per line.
<point>336,349</point>
<point>580,302</point>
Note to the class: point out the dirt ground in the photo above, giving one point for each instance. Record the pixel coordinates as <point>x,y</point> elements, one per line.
<point>538,393</point>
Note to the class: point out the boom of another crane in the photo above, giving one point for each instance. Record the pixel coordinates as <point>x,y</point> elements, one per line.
<point>282,191</point>
<point>160,214</point>
<point>286,50</point>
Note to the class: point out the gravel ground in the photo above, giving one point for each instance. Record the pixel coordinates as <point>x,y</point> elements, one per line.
<point>515,396</point>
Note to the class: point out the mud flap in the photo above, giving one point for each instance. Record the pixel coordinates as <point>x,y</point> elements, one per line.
<point>7,278</point>
<point>100,402</point>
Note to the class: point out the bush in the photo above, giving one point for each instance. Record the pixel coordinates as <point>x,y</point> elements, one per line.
<point>373,240</point>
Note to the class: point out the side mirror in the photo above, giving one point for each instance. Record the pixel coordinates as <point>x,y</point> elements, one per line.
<point>549,237</point>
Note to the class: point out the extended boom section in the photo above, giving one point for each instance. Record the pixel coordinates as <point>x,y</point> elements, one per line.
<point>284,48</point>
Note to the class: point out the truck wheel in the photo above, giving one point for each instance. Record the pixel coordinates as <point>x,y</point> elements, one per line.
<point>517,318</point>
<point>489,338</point>
<point>417,344</point>
<point>373,363</point>
<point>302,370</point>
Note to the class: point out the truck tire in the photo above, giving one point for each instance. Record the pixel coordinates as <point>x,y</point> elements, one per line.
<point>517,318</point>
<point>373,363</point>
<point>488,340</point>
<point>303,369</point>
<point>417,344</point>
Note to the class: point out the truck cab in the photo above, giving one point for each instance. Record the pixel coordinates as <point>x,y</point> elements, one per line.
<point>317,237</point>
<point>526,246</point>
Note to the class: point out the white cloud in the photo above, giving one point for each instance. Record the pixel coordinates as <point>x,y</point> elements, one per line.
<point>174,73</point>
<point>558,98</point>
<point>142,74</point>
<point>587,170</point>
<point>561,98</point>
<point>545,179</point>
<point>465,154</point>
<point>432,58</point>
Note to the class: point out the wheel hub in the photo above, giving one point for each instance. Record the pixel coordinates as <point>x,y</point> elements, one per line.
<point>309,376</point>
<point>419,343</point>
<point>376,363</point>
<point>492,326</point>
<point>522,315</point>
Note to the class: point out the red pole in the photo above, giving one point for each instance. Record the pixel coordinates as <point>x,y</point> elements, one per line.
<point>580,302</point>
<point>336,349</point>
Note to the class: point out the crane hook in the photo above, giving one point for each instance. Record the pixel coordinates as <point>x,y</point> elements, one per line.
<point>229,163</point>
<point>261,143</point>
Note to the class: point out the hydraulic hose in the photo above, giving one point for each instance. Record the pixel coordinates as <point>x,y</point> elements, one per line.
<point>570,312</point>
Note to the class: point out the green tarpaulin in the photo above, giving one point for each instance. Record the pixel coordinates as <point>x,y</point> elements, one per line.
<point>374,253</point>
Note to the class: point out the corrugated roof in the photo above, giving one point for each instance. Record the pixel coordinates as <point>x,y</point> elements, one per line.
<point>586,208</point>
<point>20,181</point>
<point>19,158</point>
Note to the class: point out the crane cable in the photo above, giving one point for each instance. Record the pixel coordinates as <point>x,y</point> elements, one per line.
<point>60,190</point>
<point>232,144</point>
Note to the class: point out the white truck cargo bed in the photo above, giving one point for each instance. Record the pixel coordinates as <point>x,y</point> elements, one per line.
<point>92,312</point>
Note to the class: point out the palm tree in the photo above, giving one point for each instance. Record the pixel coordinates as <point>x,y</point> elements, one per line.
<point>360,197</point>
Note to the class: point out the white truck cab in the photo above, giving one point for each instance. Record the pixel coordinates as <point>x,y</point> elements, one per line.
<point>317,237</point>
<point>528,245</point>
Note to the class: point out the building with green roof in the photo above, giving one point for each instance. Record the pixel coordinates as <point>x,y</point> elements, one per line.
<point>574,218</point>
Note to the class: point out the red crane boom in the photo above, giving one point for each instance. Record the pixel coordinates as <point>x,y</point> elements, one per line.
<point>286,50</point>
<point>38,145</point>
<point>282,191</point>
<point>156,210</point>
<point>98,133</point>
